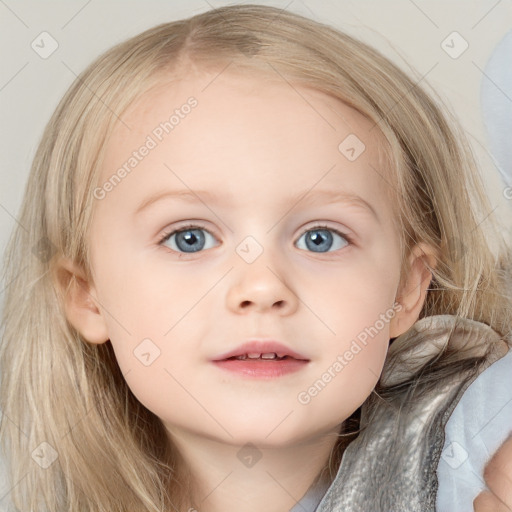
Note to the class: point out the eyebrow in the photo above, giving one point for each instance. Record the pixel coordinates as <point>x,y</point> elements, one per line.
<point>304,198</point>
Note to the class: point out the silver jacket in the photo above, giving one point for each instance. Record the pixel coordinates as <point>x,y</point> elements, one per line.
<point>391,465</point>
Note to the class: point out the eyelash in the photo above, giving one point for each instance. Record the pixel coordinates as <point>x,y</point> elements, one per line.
<point>168,234</point>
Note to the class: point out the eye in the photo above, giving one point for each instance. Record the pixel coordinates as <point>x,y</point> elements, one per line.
<point>321,237</point>
<point>189,239</point>
<point>193,238</point>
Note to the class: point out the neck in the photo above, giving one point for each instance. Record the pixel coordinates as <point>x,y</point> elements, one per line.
<point>229,477</point>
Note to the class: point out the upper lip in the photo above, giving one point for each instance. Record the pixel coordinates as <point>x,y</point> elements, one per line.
<point>261,347</point>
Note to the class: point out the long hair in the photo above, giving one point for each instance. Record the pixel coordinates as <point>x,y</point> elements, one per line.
<point>74,436</point>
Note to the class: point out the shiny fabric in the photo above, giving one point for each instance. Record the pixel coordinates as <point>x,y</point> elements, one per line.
<point>391,465</point>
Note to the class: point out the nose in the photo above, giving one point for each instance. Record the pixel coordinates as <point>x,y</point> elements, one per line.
<point>260,287</point>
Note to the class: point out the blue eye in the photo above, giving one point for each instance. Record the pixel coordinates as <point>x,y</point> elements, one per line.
<point>192,238</point>
<point>320,237</point>
<point>189,239</point>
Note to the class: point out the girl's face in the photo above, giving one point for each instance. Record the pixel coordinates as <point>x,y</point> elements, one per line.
<point>293,240</point>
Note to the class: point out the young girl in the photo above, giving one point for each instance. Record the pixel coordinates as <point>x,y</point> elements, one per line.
<point>252,273</point>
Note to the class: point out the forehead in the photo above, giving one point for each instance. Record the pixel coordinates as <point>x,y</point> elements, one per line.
<point>228,130</point>
<point>221,93</point>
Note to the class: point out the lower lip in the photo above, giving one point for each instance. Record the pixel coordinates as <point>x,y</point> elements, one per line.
<point>260,368</point>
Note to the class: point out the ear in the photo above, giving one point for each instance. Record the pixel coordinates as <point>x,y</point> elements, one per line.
<point>80,303</point>
<point>412,293</point>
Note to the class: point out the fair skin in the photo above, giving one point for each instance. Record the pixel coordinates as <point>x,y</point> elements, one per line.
<point>259,143</point>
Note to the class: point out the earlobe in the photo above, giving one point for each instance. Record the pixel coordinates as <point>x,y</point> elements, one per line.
<point>413,292</point>
<point>79,302</point>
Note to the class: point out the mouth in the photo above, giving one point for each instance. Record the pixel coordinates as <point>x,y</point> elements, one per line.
<point>258,350</point>
<point>270,356</point>
<point>262,365</point>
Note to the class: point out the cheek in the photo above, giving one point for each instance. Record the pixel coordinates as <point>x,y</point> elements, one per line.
<point>137,300</point>
<point>355,298</point>
<point>358,307</point>
<point>154,367</point>
<point>344,378</point>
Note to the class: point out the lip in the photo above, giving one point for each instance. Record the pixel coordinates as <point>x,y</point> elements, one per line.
<point>261,369</point>
<point>262,347</point>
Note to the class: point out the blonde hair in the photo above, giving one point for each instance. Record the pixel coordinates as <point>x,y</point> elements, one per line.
<point>113,454</point>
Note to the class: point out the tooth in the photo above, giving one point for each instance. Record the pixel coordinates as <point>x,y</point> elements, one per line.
<point>257,355</point>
